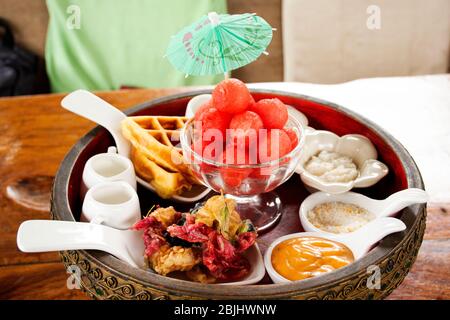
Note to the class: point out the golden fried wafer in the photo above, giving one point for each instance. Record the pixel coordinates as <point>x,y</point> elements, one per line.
<point>155,154</point>
<point>166,183</point>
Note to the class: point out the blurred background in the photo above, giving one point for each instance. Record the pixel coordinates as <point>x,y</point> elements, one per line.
<point>61,45</point>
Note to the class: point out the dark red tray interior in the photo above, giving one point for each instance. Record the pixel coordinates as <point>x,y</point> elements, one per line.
<point>292,192</point>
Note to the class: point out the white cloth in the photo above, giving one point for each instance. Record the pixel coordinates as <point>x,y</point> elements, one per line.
<point>415,110</point>
<point>330,42</point>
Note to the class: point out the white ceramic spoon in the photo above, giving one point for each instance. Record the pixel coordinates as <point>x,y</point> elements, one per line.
<point>359,242</point>
<point>380,208</point>
<point>126,245</point>
<point>89,106</point>
<point>49,235</point>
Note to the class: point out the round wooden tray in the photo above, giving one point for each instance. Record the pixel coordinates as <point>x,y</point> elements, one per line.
<point>105,277</point>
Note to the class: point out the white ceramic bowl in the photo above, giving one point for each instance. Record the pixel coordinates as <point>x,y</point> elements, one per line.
<point>107,167</point>
<point>359,242</point>
<point>355,146</point>
<point>380,208</point>
<point>115,204</point>
<point>257,272</point>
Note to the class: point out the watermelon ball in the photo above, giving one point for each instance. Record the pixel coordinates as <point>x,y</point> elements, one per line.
<point>273,113</point>
<point>204,107</point>
<point>211,118</point>
<point>213,149</point>
<point>293,136</point>
<point>214,119</point>
<point>232,177</point>
<point>252,102</point>
<point>207,150</point>
<point>231,96</point>
<point>245,127</point>
<point>274,145</point>
<point>198,147</point>
<point>234,155</point>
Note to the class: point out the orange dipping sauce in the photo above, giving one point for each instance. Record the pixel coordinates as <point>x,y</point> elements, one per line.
<point>306,257</point>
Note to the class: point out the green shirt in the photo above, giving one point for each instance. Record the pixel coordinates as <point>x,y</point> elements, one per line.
<point>105,44</point>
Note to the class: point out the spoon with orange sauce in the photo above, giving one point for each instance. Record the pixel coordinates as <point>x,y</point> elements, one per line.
<point>305,255</point>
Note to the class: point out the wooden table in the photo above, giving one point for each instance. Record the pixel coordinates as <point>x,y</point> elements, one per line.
<point>35,135</point>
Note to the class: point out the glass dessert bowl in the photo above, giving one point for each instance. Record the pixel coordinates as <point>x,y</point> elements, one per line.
<point>250,183</point>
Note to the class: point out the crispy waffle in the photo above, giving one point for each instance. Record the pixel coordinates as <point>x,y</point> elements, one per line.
<point>155,154</point>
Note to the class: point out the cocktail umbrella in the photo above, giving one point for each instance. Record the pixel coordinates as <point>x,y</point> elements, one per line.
<point>219,43</point>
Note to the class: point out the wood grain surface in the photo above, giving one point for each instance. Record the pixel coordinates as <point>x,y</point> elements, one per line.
<point>35,135</point>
